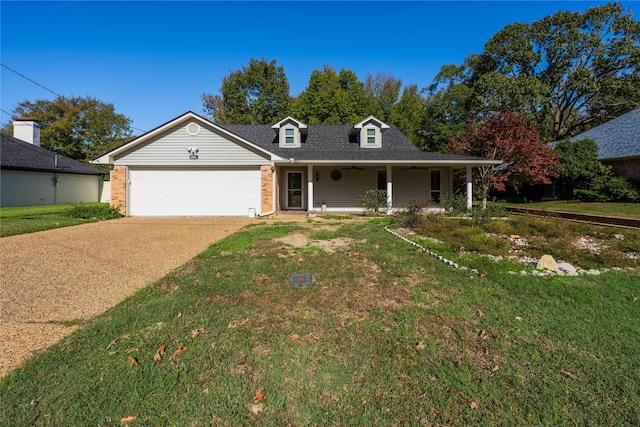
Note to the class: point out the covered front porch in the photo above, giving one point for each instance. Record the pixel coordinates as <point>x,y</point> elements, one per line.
<point>338,187</point>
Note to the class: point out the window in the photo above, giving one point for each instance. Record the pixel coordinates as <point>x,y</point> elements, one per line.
<point>289,138</point>
<point>371,136</point>
<point>382,180</point>
<point>435,186</point>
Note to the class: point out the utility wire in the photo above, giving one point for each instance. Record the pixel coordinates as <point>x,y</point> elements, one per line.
<point>32,81</point>
<point>47,89</point>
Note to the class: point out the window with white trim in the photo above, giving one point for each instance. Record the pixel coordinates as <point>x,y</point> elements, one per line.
<point>289,136</point>
<point>371,136</point>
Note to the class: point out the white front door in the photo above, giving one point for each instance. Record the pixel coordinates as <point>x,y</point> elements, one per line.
<point>295,190</point>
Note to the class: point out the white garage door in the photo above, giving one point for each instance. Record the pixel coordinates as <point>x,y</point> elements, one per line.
<point>193,192</point>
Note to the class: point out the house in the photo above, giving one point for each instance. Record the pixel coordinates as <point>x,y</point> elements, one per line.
<point>31,175</point>
<point>619,144</point>
<point>191,166</point>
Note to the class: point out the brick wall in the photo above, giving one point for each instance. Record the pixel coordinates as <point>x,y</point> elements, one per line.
<point>629,168</point>
<point>119,188</point>
<point>266,188</point>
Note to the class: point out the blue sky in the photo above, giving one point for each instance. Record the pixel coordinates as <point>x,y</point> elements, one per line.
<point>153,60</point>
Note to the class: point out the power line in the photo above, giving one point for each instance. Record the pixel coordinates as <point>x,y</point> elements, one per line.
<point>32,81</point>
<point>47,89</point>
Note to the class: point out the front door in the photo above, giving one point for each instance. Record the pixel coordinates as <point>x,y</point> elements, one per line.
<point>294,190</point>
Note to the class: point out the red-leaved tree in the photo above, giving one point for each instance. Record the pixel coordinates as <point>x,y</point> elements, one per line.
<point>511,138</point>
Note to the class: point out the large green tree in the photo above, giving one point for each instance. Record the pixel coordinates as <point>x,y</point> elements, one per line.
<point>79,128</point>
<point>333,98</point>
<point>408,114</point>
<point>569,71</point>
<point>255,94</point>
<point>385,91</point>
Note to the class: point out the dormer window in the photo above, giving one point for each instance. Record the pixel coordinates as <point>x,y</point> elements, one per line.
<point>371,136</point>
<point>289,135</point>
<point>290,132</point>
<point>369,132</point>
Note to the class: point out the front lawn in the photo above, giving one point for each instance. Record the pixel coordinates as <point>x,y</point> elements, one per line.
<point>625,210</point>
<point>29,219</point>
<point>385,335</point>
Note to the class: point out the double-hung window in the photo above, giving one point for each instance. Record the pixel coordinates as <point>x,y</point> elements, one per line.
<point>371,136</point>
<point>289,136</point>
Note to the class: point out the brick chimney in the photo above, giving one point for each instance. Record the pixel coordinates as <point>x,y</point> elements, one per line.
<point>27,129</point>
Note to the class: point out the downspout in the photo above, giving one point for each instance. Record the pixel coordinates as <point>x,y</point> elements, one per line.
<point>273,195</point>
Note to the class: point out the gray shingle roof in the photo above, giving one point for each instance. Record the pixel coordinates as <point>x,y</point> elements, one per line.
<point>20,155</point>
<point>333,143</point>
<point>616,138</point>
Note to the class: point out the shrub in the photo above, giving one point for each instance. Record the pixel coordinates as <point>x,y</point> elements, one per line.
<point>374,201</point>
<point>411,215</point>
<point>102,211</point>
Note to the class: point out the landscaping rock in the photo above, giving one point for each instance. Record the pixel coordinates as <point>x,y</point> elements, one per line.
<point>547,263</point>
<point>569,269</point>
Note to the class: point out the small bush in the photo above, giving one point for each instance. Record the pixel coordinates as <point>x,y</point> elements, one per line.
<point>411,215</point>
<point>374,201</point>
<point>95,211</point>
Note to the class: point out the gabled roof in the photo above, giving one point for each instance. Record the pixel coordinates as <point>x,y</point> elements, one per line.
<point>108,157</point>
<point>333,143</point>
<point>371,119</point>
<point>19,155</point>
<point>617,138</point>
<point>289,119</point>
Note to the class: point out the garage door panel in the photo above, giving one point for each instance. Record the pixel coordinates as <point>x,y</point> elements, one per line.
<point>194,192</point>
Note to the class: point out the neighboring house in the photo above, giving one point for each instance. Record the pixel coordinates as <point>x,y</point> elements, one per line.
<point>31,175</point>
<point>191,166</point>
<point>619,144</point>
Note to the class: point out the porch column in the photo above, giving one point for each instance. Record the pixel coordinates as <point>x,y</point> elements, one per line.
<point>469,189</point>
<point>309,187</point>
<point>389,189</point>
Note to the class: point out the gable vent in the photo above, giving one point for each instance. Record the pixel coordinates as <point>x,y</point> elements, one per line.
<point>193,129</point>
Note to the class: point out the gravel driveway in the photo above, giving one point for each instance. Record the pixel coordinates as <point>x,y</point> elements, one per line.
<point>52,277</point>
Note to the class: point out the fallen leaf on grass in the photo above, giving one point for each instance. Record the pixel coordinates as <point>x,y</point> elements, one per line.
<point>588,320</point>
<point>112,344</point>
<point>206,390</point>
<point>180,350</point>
<point>197,332</point>
<point>480,313</point>
<point>129,419</point>
<point>237,323</point>
<point>259,396</point>
<point>473,405</point>
<point>569,374</point>
<point>159,353</point>
<point>483,273</point>
<point>133,361</point>
<point>420,346</point>
<point>495,368</point>
<point>294,337</point>
<point>434,378</point>
<point>544,344</point>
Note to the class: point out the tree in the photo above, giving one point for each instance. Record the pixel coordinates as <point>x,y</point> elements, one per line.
<point>256,94</point>
<point>583,177</point>
<point>569,71</point>
<point>385,90</point>
<point>79,128</point>
<point>579,165</point>
<point>333,98</point>
<point>513,139</point>
<point>408,115</point>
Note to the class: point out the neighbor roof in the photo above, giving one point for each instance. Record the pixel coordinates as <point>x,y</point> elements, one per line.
<point>333,143</point>
<point>617,138</point>
<point>19,155</point>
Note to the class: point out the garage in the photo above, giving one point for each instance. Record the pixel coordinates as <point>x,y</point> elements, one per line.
<point>193,192</point>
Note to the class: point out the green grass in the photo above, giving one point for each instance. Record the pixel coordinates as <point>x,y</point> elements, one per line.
<point>29,219</point>
<point>625,210</point>
<point>385,335</point>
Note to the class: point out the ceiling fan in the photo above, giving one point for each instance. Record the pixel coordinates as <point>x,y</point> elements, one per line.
<point>413,168</point>
<point>354,168</point>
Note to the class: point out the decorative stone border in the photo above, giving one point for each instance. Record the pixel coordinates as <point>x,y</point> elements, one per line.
<point>539,273</point>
